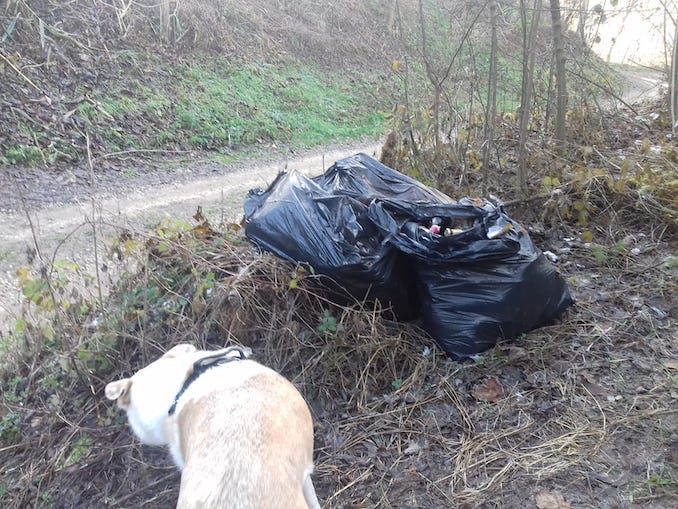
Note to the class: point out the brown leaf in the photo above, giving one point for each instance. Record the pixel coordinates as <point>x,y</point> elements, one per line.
<point>203,231</point>
<point>591,384</point>
<point>516,353</point>
<point>198,215</point>
<point>551,500</point>
<point>671,364</point>
<point>491,390</point>
<point>198,304</point>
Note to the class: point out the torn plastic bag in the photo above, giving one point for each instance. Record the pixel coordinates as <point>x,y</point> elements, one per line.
<point>365,179</point>
<point>483,282</point>
<point>299,220</point>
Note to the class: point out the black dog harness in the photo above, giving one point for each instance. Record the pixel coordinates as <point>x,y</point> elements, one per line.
<point>202,365</point>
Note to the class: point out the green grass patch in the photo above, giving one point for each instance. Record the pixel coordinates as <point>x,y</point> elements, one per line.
<point>120,106</point>
<point>217,106</point>
<point>229,107</point>
<point>659,483</point>
<point>28,155</point>
<point>207,105</point>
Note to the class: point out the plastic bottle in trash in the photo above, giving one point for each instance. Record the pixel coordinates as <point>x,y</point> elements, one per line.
<point>436,223</point>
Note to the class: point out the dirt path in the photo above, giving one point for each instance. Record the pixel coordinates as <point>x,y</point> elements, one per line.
<point>641,84</point>
<point>65,231</point>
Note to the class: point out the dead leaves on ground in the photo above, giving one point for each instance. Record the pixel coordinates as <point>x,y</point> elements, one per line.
<point>551,500</point>
<point>490,390</point>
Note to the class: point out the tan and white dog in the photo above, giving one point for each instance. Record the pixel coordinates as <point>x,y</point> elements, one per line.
<point>241,434</point>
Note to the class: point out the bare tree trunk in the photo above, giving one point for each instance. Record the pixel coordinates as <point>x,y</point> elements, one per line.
<point>165,19</point>
<point>669,17</point>
<point>406,80</point>
<point>491,109</point>
<point>561,88</point>
<point>529,51</point>
<point>674,82</point>
<point>430,73</point>
<point>549,101</point>
<point>583,15</point>
<point>168,20</point>
<point>438,80</point>
<point>666,53</point>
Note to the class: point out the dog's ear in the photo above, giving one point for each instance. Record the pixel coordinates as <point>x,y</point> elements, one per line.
<point>182,349</point>
<point>119,392</point>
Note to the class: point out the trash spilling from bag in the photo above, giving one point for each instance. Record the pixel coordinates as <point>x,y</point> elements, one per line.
<point>466,269</point>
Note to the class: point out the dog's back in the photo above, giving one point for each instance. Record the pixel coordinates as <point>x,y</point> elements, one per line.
<point>241,433</point>
<point>246,436</point>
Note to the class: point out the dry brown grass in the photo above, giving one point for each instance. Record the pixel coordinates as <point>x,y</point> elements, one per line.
<point>329,32</point>
<point>326,33</point>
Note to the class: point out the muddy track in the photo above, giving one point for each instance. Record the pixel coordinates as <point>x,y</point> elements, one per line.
<point>65,231</point>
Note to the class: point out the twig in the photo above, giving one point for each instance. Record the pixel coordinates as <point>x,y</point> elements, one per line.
<point>56,31</point>
<point>157,482</point>
<point>527,199</point>
<point>357,480</point>
<point>99,108</point>
<point>63,241</point>
<point>94,228</point>
<point>43,273</point>
<point>13,446</point>
<point>46,275</point>
<point>9,29</point>
<point>606,159</point>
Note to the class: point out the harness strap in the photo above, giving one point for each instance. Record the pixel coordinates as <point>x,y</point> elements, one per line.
<point>202,365</point>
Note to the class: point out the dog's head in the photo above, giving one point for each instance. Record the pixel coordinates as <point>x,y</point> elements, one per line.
<point>148,395</point>
<point>150,392</point>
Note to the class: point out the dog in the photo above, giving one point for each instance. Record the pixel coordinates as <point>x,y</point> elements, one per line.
<point>241,434</point>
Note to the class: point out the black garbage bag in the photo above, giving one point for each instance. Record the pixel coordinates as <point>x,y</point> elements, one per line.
<point>476,279</point>
<point>482,282</point>
<point>365,178</point>
<point>299,220</point>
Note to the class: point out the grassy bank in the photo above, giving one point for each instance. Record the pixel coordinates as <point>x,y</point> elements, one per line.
<point>199,105</point>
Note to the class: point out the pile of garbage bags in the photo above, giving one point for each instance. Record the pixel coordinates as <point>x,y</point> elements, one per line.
<point>468,271</point>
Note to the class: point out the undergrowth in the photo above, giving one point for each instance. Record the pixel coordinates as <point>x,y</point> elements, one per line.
<point>631,169</point>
